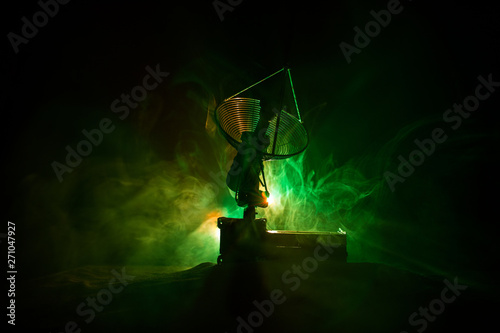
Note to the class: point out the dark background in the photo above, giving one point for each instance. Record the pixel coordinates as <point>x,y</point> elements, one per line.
<point>127,202</point>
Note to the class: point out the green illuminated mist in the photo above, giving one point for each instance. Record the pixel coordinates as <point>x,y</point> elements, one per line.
<point>148,195</point>
<point>308,199</point>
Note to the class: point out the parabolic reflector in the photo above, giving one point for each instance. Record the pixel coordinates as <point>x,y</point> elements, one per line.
<point>286,133</point>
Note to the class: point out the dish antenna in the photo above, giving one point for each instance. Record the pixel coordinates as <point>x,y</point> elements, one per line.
<point>259,132</point>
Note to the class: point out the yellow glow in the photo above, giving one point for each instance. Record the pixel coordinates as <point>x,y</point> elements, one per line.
<point>270,200</point>
<point>209,226</point>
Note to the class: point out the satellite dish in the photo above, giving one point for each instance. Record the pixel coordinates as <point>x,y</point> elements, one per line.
<point>287,135</point>
<point>259,134</point>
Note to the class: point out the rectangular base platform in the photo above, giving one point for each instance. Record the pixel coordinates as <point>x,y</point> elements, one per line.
<point>241,241</point>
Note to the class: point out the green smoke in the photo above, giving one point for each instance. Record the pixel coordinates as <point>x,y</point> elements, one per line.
<point>313,199</point>
<point>150,194</point>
